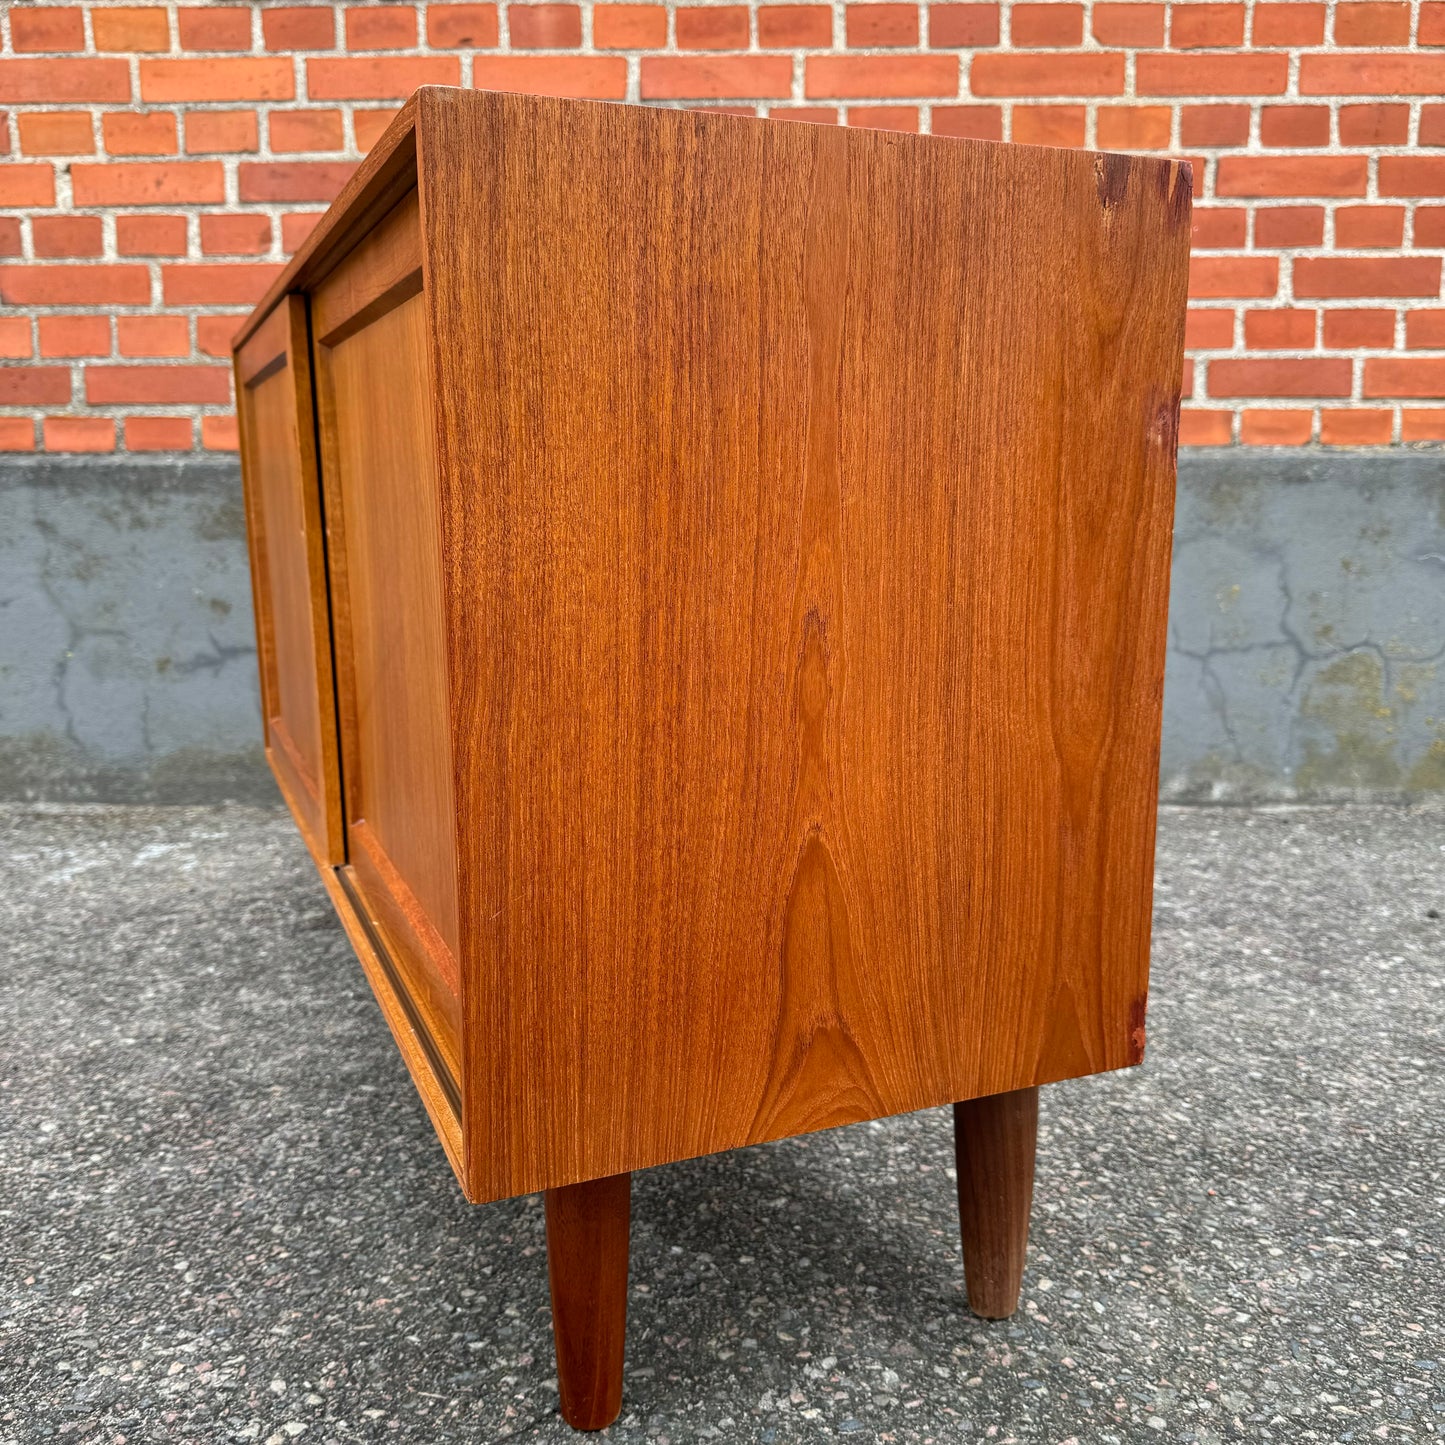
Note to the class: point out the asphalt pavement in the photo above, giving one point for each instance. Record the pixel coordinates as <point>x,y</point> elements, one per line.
<point>224,1216</point>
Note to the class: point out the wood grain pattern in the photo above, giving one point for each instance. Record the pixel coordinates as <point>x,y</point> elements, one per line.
<point>806,502</point>
<point>376,426</point>
<point>288,573</point>
<point>995,1140</point>
<point>587,1252</point>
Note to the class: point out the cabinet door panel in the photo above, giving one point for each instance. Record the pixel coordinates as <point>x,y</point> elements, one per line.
<point>288,573</point>
<point>385,534</point>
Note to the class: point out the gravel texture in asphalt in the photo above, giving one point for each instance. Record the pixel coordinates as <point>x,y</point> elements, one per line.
<point>223,1215</point>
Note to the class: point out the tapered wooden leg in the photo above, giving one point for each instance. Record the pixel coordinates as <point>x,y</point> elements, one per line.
<point>587,1269</point>
<point>994,1141</point>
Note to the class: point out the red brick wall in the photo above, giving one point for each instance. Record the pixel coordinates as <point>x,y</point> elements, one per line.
<point>162,160</point>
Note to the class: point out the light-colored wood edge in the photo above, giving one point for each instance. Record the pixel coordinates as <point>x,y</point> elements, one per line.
<point>377,184</point>
<point>413,1048</point>
<point>372,279</point>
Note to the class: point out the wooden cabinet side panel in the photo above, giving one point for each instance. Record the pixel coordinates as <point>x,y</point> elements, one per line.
<point>807,503</point>
<point>288,570</point>
<point>376,431</point>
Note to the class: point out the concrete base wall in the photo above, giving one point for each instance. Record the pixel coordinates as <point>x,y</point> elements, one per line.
<point>1307,630</point>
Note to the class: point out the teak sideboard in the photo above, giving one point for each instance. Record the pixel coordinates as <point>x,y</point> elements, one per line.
<point>710,580</point>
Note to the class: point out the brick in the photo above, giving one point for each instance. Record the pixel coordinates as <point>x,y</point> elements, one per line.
<point>1292,176</point>
<point>292,180</point>
<point>550,27</point>
<point>961,27</point>
<point>1422,424</point>
<point>306,130</point>
<point>1372,24</point>
<point>1350,327</point>
<point>157,433</point>
<point>1133,127</point>
<point>1293,376</point>
<point>1367,74</point>
<point>214,333</point>
<point>1355,427</point>
<point>155,336</point>
<point>15,337</point>
<point>74,336</point>
<point>130,28</point>
<point>1283,126</point>
<point>1205,428</point>
<point>1289,226</point>
<point>139,133</point>
<point>34,385</point>
<point>1367,276</point>
<point>1412,175</point>
<point>148,183</point>
<point>1091,74</point>
<point>1276,428</point>
<point>1134,27</point>
<point>236,284</point>
<point>150,236</point>
<point>380,27</point>
<point>781,27</point>
<point>884,117</point>
<point>1283,329</point>
<point>1205,26</point>
<point>1430,225</point>
<point>975,122</point>
<point>1048,125</point>
<point>1374,125</point>
<point>590,77</point>
<point>1187,387</point>
<point>1233,276</point>
<point>869,25</point>
<point>1362,227</point>
<point>1219,228</point>
<point>1425,329</point>
<point>233,78</point>
<point>27,185</point>
<point>148,385</point>
<point>669,78</point>
<point>813,114</point>
<point>1432,23</point>
<point>1288,24</point>
<point>46,29</point>
<point>644,27</point>
<point>311,27</point>
<point>1210,330</point>
<point>1212,74</point>
<point>1054,23</point>
<point>1413,376</point>
<point>214,27</point>
<point>865,76</point>
<point>62,82</point>
<point>368,78</point>
<point>67,237</point>
<point>55,133</point>
<point>369,126</point>
<point>1432,125</point>
<point>1214,125</point>
<point>10,236</point>
<point>235,235</point>
<point>17,434</point>
<point>78,434</point>
<point>295,228</point>
<point>75,285</point>
<point>711,27</point>
<point>227,132</point>
<point>219,434</point>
